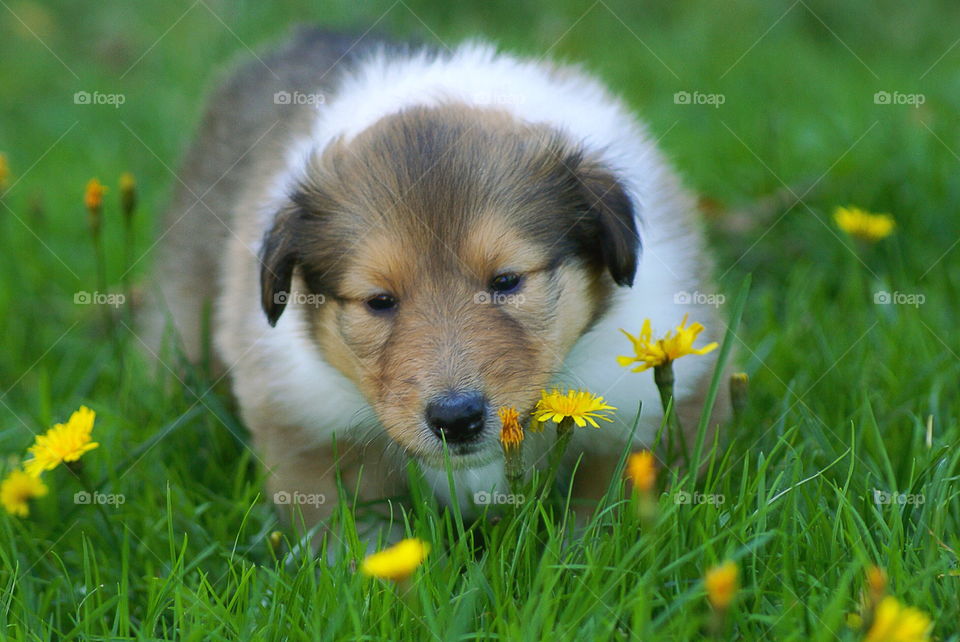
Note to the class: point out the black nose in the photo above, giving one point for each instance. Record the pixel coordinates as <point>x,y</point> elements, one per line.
<point>457,417</point>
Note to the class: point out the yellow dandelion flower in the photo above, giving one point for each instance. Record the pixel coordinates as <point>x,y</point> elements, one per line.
<point>650,353</point>
<point>894,622</point>
<point>722,583</point>
<point>579,405</point>
<point>642,470</point>
<point>511,432</point>
<point>93,196</point>
<point>63,442</point>
<point>398,562</point>
<point>17,490</point>
<point>861,224</point>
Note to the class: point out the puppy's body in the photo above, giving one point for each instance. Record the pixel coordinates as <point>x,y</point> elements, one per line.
<point>422,180</point>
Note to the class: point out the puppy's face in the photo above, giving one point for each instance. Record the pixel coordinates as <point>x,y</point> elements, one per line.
<point>460,254</point>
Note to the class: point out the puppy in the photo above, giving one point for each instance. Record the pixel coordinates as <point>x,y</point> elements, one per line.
<point>398,241</point>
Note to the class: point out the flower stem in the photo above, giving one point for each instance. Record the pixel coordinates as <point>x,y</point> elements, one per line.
<point>78,470</point>
<point>408,596</point>
<point>718,623</point>
<point>128,266</point>
<point>739,393</point>
<point>663,377</point>
<point>564,435</point>
<point>101,267</point>
<point>513,466</point>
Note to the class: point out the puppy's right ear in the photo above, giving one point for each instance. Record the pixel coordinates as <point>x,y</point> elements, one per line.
<point>279,256</point>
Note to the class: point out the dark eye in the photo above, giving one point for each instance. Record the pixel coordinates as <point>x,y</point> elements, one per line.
<point>381,303</point>
<point>505,283</point>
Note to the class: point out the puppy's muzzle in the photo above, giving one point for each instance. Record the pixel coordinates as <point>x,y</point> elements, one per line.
<point>457,417</point>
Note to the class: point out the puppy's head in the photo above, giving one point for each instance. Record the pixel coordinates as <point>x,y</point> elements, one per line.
<point>460,253</point>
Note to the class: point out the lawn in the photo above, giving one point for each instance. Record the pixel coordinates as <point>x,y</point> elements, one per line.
<point>845,456</point>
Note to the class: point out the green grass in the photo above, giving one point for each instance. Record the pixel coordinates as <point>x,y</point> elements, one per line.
<point>842,389</point>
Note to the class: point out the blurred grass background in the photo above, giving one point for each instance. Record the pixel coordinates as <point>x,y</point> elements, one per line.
<point>834,375</point>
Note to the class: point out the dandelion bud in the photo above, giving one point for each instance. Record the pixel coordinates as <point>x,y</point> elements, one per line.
<point>722,583</point>
<point>642,473</point>
<point>642,470</point>
<point>93,200</point>
<point>876,583</point>
<point>128,194</point>
<point>854,621</point>
<point>511,439</point>
<point>275,540</point>
<point>739,392</point>
<point>4,172</point>
<point>511,432</point>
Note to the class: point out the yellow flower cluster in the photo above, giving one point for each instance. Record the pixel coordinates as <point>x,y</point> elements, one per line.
<point>579,405</point>
<point>62,443</point>
<point>650,353</point>
<point>862,224</point>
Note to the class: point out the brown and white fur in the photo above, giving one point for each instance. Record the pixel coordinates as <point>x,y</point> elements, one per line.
<point>424,175</point>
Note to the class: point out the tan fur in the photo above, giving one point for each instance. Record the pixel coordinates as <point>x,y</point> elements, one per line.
<point>427,204</point>
<point>299,466</point>
<point>440,338</point>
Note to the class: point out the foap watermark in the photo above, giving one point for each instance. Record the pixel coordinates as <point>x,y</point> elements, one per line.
<point>486,498</point>
<point>98,98</point>
<point>699,298</point>
<point>296,498</point>
<point>99,298</point>
<point>682,497</point>
<point>298,98</point>
<point>898,98</point>
<point>698,98</point>
<point>299,298</point>
<point>882,297</point>
<point>893,498</point>
<point>498,298</point>
<point>85,498</point>
<point>498,98</point>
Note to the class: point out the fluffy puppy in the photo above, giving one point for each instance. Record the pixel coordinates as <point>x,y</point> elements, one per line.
<point>396,242</point>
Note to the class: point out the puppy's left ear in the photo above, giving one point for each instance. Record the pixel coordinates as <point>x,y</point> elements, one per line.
<point>278,257</point>
<point>611,210</point>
